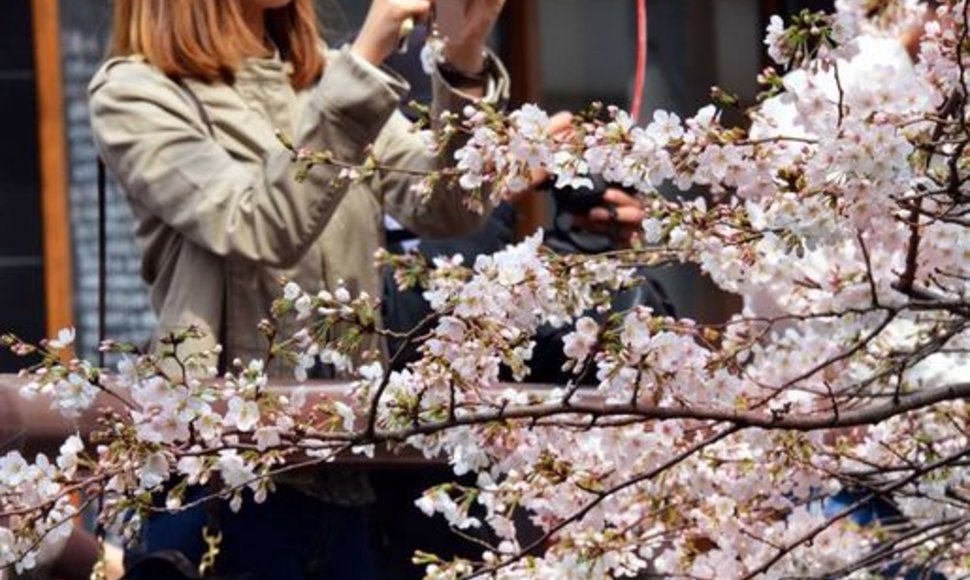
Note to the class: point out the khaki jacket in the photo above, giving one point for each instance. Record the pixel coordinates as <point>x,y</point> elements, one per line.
<point>223,219</point>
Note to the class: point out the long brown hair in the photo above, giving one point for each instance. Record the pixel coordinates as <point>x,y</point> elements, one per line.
<point>208,39</point>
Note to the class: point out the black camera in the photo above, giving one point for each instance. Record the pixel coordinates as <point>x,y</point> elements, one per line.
<point>580,200</point>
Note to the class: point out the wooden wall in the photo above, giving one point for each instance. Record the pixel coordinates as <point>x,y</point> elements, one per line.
<point>22,292</point>
<point>52,160</point>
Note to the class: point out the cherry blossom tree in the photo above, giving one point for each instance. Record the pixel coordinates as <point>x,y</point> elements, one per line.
<point>745,449</point>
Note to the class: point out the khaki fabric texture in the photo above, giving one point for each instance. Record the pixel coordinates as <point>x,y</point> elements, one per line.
<point>221,220</point>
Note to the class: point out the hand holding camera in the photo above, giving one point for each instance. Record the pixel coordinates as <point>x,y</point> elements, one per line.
<point>605,209</point>
<point>619,215</point>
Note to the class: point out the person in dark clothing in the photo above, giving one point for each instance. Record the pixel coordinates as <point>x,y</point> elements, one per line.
<point>404,309</point>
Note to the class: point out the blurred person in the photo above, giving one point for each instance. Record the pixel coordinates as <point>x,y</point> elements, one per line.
<point>403,310</point>
<point>184,114</point>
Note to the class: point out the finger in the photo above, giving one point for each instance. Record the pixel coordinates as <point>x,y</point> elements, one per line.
<point>561,124</point>
<point>405,30</point>
<point>485,6</point>
<point>621,198</point>
<point>624,215</point>
<point>627,236</point>
<point>580,222</point>
<point>537,177</point>
<point>418,9</point>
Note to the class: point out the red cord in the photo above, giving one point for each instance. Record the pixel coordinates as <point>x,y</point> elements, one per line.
<point>640,80</point>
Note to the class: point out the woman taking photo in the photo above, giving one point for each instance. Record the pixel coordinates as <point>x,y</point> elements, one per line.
<point>184,115</point>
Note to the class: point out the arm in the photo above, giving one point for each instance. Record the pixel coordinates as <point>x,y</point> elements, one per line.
<point>465,26</point>
<point>80,554</point>
<point>444,214</point>
<point>152,138</point>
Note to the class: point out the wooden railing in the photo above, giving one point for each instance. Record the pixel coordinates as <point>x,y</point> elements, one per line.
<point>32,426</point>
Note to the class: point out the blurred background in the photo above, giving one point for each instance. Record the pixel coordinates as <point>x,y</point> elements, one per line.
<point>562,54</point>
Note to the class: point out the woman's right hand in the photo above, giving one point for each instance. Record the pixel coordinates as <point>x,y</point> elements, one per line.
<point>380,36</point>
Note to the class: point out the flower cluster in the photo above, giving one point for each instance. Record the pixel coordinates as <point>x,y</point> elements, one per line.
<point>37,536</point>
<point>749,448</point>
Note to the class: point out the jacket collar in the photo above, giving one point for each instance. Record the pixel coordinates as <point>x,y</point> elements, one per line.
<point>265,69</point>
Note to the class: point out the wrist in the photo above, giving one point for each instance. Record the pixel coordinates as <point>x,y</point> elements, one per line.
<point>366,51</point>
<point>461,80</point>
<point>466,58</point>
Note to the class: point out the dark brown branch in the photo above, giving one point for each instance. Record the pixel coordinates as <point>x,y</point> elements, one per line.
<point>838,85</point>
<point>869,274</point>
<point>385,381</point>
<point>814,422</point>
<point>536,545</point>
<point>901,544</point>
<point>849,510</point>
<point>844,355</point>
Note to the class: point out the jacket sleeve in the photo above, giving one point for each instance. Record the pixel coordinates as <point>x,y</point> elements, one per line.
<point>444,214</point>
<point>153,139</point>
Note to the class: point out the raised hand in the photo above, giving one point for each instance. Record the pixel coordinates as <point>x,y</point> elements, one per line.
<point>381,32</point>
<point>466,24</point>
<point>620,217</point>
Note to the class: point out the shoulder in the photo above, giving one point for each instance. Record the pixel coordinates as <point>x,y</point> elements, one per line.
<point>127,69</point>
<point>132,81</point>
<point>128,82</point>
<point>134,90</point>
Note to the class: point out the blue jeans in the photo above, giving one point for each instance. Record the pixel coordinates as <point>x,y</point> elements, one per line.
<point>288,537</point>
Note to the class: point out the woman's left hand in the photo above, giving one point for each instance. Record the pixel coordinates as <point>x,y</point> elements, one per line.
<point>466,24</point>
<point>621,219</point>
